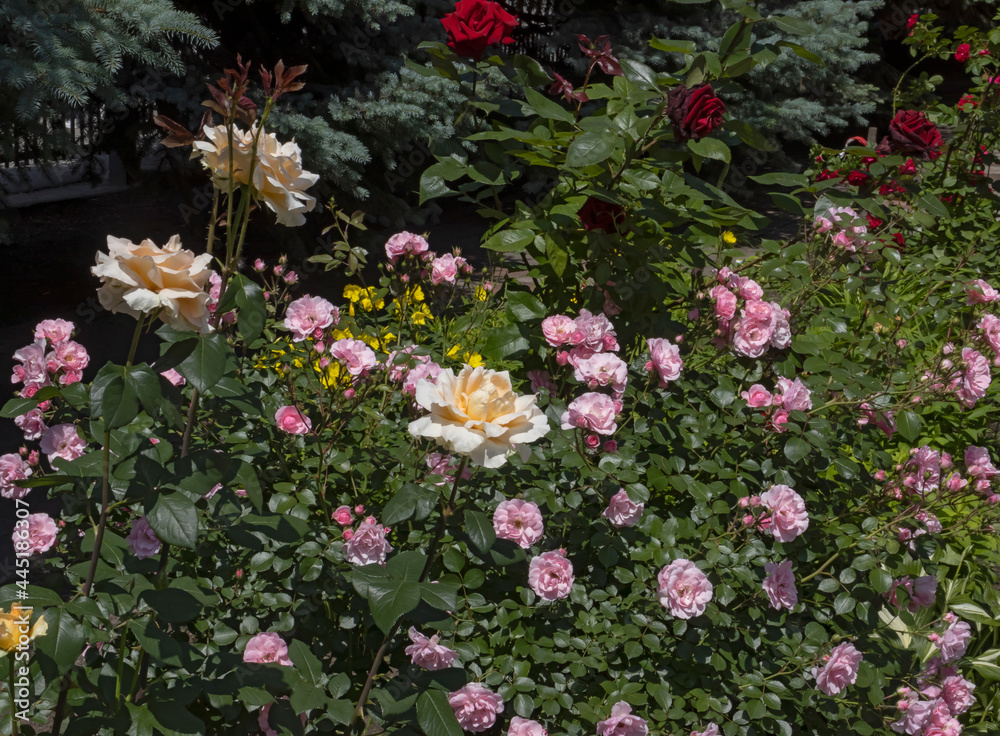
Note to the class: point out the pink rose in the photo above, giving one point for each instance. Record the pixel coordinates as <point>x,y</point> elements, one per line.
<point>541,379</point>
<point>33,369</point>
<point>622,722</point>
<point>779,419</point>
<point>795,395</point>
<point>788,512</point>
<point>602,369</point>
<point>524,727</point>
<point>266,647</point>
<point>957,693</point>
<point>622,511</point>
<point>63,441</point>
<point>519,521</point>
<point>977,462</point>
<point>684,589</point>
<point>291,420</point>
<point>550,575</point>
<point>32,424</point>
<point>368,545</point>
<point>977,292</point>
<point>780,585</point>
<point>72,355</point>
<point>12,469</point>
<point>445,466</point>
<point>405,243</point>
<point>749,289</point>
<point>476,707</point>
<point>343,516</point>
<point>666,358</point>
<point>444,269</point>
<point>427,653</point>
<point>781,330</point>
<point>595,332</point>
<point>428,371</point>
<point>558,330</point>
<point>975,377</point>
<point>924,592</point>
<point>174,377</point>
<point>400,361</point>
<point>34,535</point>
<point>711,730</point>
<point>840,670</point>
<point>54,330</point>
<point>357,357</point>
<point>308,314</point>
<point>753,336</point>
<point>725,302</point>
<point>265,724</point>
<point>142,540</point>
<point>757,397</point>
<point>592,411</point>
<point>954,641</point>
<point>990,324</point>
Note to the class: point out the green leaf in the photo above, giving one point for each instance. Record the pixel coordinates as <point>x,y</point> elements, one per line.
<point>480,530</point>
<point>409,501</point>
<point>547,108</point>
<point>173,604</point>
<point>672,46</point>
<point>881,580</point>
<point>251,306</point>
<point>207,362</point>
<point>975,613</point>
<point>781,178</point>
<point>711,148</point>
<point>390,599</point>
<point>112,399</point>
<point>407,565</point>
<point>305,698</point>
<point>64,639</point>
<point>17,407</point>
<point>933,205</point>
<point>557,255</point>
<point>174,519</point>
<point>908,423</point>
<point>442,596</point>
<point>145,384</point>
<point>792,25</point>
<point>590,148</point>
<point>797,448</point>
<point>523,306</point>
<point>176,720</point>
<point>509,241</point>
<point>143,723</point>
<point>306,663</point>
<point>504,342</point>
<point>435,715</point>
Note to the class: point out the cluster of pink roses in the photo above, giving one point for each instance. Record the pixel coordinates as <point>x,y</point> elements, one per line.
<point>441,269</point>
<point>789,396</point>
<point>780,511</point>
<point>760,325</point>
<point>403,365</point>
<point>942,694</point>
<point>13,468</point>
<point>925,473</point>
<point>310,316</point>
<point>980,292</point>
<point>367,544</point>
<point>846,226</point>
<point>63,362</point>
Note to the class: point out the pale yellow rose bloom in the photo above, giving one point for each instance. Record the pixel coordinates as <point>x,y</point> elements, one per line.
<point>11,628</point>
<point>477,414</point>
<point>144,278</point>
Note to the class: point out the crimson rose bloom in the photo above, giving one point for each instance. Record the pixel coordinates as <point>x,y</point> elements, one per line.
<point>694,112</point>
<point>596,214</point>
<point>476,24</point>
<point>962,52</point>
<point>911,132</point>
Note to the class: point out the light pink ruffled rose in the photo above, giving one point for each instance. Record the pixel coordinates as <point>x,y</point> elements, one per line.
<point>405,243</point>
<point>725,302</point>
<point>399,362</point>
<point>142,540</point>
<point>975,377</point>
<point>357,357</point>
<point>977,292</point>
<point>978,463</point>
<point>309,314</point>
<point>757,397</point>
<point>621,722</point>
<point>684,590</point>
<point>428,653</point>
<point>291,420</point>
<point>174,377</point>
<point>990,325</point>
<point>428,371</point>
<point>12,469</point>
<point>32,424</point>
<point>476,707</point>
<point>623,511</point>
<point>711,730</point>
<point>749,289</point>
<point>780,585</point>
<point>753,336</point>
<point>519,521</point>
<point>558,330</point>
<point>368,544</point>
<point>445,465</point>
<point>266,647</point>
<point>840,670</point>
<point>54,330</point>
<point>602,369</point>
<point>957,693</point>
<point>550,575</point>
<point>525,727</point>
<point>33,368</point>
<point>34,535</point>
<point>666,358</point>
<point>593,412</point>
<point>594,332</point>
<point>954,641</point>
<point>795,395</point>
<point>63,441</point>
<point>444,269</point>
<point>72,356</point>
<point>789,517</point>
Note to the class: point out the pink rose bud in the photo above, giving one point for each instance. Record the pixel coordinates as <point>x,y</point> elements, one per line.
<point>879,475</point>
<point>324,362</point>
<point>283,259</point>
<point>903,705</point>
<point>348,535</point>
<point>933,637</point>
<point>258,265</point>
<point>592,441</point>
<point>44,405</point>
<point>949,617</point>
<point>748,520</point>
<point>562,357</point>
<point>611,446</point>
<point>901,343</point>
<point>649,366</point>
<point>359,509</point>
<point>903,690</point>
<point>679,339</point>
<point>267,295</point>
<point>239,573</point>
<point>349,393</point>
<point>153,441</point>
<point>23,450</point>
<point>342,515</point>
<point>754,501</point>
<point>949,348</point>
<point>291,277</point>
<point>33,458</point>
<point>743,502</point>
<point>278,270</point>
<point>405,278</point>
<point>319,346</point>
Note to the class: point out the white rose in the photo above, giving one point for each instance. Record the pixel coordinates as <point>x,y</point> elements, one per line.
<point>477,414</point>
<point>144,278</point>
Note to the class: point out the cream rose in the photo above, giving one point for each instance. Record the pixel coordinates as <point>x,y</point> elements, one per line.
<point>144,278</point>
<point>278,177</point>
<point>477,414</point>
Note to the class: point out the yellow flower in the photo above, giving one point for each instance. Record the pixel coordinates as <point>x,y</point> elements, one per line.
<point>415,294</point>
<point>342,334</point>
<point>14,625</point>
<point>728,237</point>
<point>474,359</point>
<point>421,315</point>
<point>329,376</point>
<point>453,352</point>
<point>481,294</point>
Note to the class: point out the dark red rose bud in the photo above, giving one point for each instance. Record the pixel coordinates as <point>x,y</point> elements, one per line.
<point>694,112</point>
<point>911,132</point>
<point>596,214</point>
<point>827,174</point>
<point>908,167</point>
<point>476,24</point>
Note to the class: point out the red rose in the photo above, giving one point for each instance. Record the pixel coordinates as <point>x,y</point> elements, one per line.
<point>873,222</point>
<point>857,178</point>
<point>898,237</point>
<point>596,214</point>
<point>827,174</point>
<point>984,52</point>
<point>962,52</point>
<point>908,168</point>
<point>912,21</point>
<point>967,100</point>
<point>694,112</point>
<point>476,24</point>
<point>911,132</point>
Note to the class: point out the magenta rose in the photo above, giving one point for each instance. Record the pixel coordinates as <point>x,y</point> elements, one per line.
<point>910,132</point>
<point>593,412</point>
<point>789,517</point>
<point>142,540</point>
<point>695,112</point>
<point>34,535</point>
<point>405,243</point>
<point>524,727</point>
<point>684,589</point>
<point>309,314</point>
<point>476,24</point>
<point>519,521</point>
<point>596,214</point>
<point>63,441</point>
<point>427,653</point>
<point>476,707</point>
<point>840,670</point>
<point>780,585</point>
<point>368,544</point>
<point>12,469</point>
<point>266,647</point>
<point>291,420</point>
<point>665,356</point>
<point>622,722</point>
<point>622,511</point>
<point>550,575</point>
